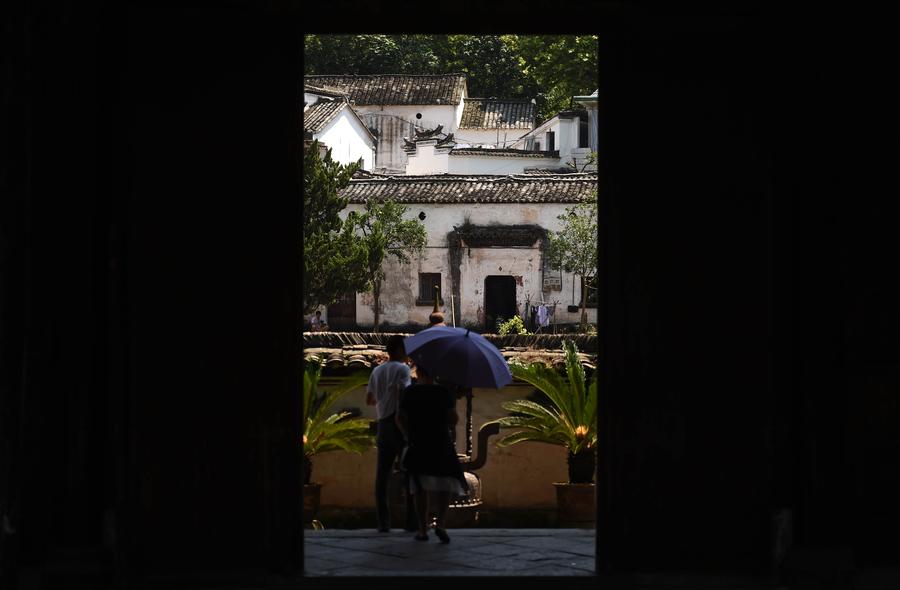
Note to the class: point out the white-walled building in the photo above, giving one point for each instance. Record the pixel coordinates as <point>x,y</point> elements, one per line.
<point>331,121</point>
<point>431,156</point>
<point>567,132</point>
<point>590,103</point>
<point>487,249</point>
<point>392,106</point>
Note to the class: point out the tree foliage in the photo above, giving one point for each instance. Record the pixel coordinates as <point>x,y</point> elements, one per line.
<point>324,432</point>
<point>574,247</point>
<point>333,262</point>
<point>549,68</point>
<point>384,232</point>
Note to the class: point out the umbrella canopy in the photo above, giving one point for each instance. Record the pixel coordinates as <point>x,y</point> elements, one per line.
<point>459,356</point>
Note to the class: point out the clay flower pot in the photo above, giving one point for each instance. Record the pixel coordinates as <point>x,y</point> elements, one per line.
<point>576,505</point>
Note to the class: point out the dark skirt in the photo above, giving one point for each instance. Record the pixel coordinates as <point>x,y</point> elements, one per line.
<point>436,458</point>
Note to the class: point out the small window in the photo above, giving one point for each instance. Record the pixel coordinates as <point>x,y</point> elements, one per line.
<point>427,282</point>
<point>582,133</point>
<point>551,141</point>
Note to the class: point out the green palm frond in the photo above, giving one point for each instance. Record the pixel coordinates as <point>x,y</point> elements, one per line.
<point>527,436</point>
<point>546,380</point>
<point>569,419</point>
<point>575,372</point>
<point>326,432</point>
<point>530,408</point>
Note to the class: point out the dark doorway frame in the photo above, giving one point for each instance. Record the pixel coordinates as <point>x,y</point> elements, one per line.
<point>499,299</point>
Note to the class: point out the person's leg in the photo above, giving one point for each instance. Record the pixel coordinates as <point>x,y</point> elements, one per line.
<point>411,513</point>
<point>440,503</point>
<point>386,454</point>
<point>421,502</point>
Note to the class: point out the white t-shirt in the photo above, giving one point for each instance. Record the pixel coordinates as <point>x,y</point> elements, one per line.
<point>386,382</point>
<point>316,323</point>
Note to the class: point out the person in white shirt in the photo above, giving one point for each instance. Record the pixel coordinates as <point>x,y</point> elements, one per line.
<point>316,322</point>
<point>386,383</point>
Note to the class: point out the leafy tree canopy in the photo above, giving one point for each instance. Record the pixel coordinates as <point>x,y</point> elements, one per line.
<point>549,68</point>
<point>574,247</point>
<point>333,261</point>
<point>385,233</point>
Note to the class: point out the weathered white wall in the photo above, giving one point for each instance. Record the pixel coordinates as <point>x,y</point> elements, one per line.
<point>401,287</point>
<point>393,122</point>
<point>471,164</point>
<point>426,161</point>
<point>566,138</point>
<point>458,109</point>
<point>348,140</point>
<point>431,160</point>
<point>520,476</point>
<point>540,134</point>
<point>581,157</point>
<point>445,115</point>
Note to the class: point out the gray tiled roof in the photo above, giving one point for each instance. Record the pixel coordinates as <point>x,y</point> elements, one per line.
<point>317,116</point>
<point>503,152</point>
<point>450,188</point>
<point>390,89</point>
<point>485,113</point>
<point>334,92</point>
<point>549,171</point>
<point>571,113</point>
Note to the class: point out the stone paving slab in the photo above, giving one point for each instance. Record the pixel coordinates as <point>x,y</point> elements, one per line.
<point>471,552</point>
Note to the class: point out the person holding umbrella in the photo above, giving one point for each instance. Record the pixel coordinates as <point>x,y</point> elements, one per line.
<point>428,412</point>
<point>426,416</point>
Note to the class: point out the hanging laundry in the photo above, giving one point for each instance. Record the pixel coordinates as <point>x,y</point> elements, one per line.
<point>543,316</point>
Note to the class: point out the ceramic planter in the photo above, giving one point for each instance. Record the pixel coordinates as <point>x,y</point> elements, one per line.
<point>576,505</point>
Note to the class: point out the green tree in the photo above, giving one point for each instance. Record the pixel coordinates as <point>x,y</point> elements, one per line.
<point>333,262</point>
<point>374,54</point>
<point>385,233</point>
<point>490,64</point>
<point>561,66</point>
<point>549,68</point>
<point>574,247</point>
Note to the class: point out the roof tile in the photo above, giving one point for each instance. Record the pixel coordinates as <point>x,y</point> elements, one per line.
<point>390,89</point>
<point>449,188</point>
<point>507,152</point>
<point>317,116</point>
<point>485,113</point>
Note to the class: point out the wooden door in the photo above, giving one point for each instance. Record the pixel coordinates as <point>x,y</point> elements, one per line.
<point>342,314</point>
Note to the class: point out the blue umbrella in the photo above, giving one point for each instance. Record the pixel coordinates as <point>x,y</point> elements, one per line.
<point>459,356</point>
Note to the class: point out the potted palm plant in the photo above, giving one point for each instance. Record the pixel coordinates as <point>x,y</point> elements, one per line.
<point>568,419</point>
<point>324,432</point>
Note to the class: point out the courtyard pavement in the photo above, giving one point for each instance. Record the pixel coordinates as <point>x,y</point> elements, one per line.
<point>471,552</point>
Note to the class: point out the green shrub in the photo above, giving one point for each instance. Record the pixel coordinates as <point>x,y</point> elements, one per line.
<point>513,325</point>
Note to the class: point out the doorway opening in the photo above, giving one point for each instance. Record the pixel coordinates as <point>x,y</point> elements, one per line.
<point>342,313</point>
<point>499,300</point>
